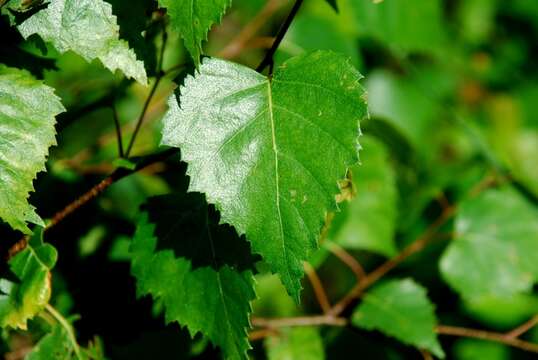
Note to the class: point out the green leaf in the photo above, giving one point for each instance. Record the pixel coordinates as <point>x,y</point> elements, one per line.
<point>27,111</point>
<point>405,25</point>
<point>471,349</point>
<point>368,221</point>
<point>56,345</point>
<point>333,4</point>
<point>310,32</point>
<point>401,309</point>
<point>198,269</point>
<point>495,249</point>
<point>193,19</point>
<point>88,28</point>
<point>269,152</point>
<point>302,343</point>
<point>23,299</point>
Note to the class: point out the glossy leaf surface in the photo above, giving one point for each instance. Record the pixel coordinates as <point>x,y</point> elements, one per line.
<point>269,152</point>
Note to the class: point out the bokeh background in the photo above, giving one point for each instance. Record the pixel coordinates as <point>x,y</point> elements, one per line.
<point>453,96</point>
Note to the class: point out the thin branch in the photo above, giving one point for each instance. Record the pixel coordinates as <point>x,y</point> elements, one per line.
<point>118,130</point>
<point>68,328</point>
<point>240,42</point>
<point>347,259</point>
<point>94,192</point>
<point>426,355</point>
<point>268,59</point>
<point>299,321</point>
<point>150,96</point>
<point>317,286</point>
<point>261,334</point>
<point>523,328</point>
<point>487,335</point>
<point>419,244</point>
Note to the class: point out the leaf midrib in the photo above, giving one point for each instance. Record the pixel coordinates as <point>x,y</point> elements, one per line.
<point>277,176</point>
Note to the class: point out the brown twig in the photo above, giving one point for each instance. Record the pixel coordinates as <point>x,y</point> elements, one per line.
<point>158,79</point>
<point>299,321</point>
<point>317,286</point>
<point>523,328</point>
<point>261,334</point>
<point>268,59</point>
<point>379,272</point>
<point>347,259</point>
<point>487,335</point>
<point>93,193</point>
<point>426,355</point>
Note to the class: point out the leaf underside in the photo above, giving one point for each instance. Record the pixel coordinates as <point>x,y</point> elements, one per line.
<point>27,111</point>
<point>193,20</point>
<point>401,309</point>
<point>88,28</point>
<point>269,152</point>
<point>494,252</point>
<point>200,270</point>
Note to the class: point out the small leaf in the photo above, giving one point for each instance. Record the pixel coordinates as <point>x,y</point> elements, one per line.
<point>56,345</point>
<point>368,221</point>
<point>88,28</point>
<point>27,111</point>
<point>302,343</point>
<point>198,269</point>
<point>193,19</point>
<point>22,300</point>
<point>269,152</point>
<point>401,309</point>
<point>495,249</point>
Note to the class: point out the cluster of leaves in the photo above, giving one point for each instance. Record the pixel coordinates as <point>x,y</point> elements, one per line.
<point>261,178</point>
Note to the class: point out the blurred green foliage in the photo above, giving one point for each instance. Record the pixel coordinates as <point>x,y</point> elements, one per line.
<point>453,92</point>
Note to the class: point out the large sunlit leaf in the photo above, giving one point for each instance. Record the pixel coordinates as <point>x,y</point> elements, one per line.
<point>88,28</point>
<point>401,309</point>
<point>193,19</point>
<point>27,294</point>
<point>198,269</point>
<point>368,220</point>
<point>494,252</point>
<point>269,152</point>
<point>27,111</point>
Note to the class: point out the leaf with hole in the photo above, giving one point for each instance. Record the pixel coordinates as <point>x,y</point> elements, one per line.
<point>269,152</point>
